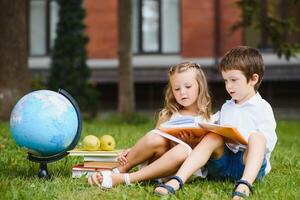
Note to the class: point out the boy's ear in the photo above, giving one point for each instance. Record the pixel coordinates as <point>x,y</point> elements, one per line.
<point>254,79</point>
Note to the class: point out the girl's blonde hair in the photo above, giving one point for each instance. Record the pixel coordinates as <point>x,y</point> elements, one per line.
<point>204,101</point>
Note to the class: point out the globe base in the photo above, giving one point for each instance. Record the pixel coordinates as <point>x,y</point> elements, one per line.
<point>43,172</point>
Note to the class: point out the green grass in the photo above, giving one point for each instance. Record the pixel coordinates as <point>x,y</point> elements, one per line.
<point>18,178</point>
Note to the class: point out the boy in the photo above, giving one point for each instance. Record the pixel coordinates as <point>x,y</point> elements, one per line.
<point>242,69</point>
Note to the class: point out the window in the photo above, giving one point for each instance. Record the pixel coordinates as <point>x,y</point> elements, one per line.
<point>155,26</point>
<point>43,17</point>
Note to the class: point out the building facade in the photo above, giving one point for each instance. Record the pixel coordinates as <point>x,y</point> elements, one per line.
<point>164,32</point>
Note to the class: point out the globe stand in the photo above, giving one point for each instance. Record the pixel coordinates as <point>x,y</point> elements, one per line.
<point>43,173</point>
<point>44,160</point>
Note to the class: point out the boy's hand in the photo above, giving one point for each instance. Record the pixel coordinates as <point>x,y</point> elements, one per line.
<point>122,157</point>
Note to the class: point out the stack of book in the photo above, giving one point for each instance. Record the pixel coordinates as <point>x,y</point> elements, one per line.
<point>94,161</point>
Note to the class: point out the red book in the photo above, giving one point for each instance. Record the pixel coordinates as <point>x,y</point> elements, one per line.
<point>99,164</point>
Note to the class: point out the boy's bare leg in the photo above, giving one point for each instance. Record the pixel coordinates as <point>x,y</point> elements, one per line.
<point>149,147</point>
<point>211,145</point>
<point>253,159</point>
<point>164,166</point>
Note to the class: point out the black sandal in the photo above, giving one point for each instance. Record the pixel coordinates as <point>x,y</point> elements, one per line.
<point>240,194</point>
<point>169,188</point>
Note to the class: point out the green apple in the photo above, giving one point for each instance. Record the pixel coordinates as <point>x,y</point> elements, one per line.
<point>91,143</point>
<point>107,143</point>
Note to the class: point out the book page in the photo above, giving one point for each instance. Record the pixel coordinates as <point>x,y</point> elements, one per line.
<point>175,131</point>
<point>229,132</point>
<point>212,126</point>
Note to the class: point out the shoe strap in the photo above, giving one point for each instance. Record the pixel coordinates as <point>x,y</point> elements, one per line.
<point>179,180</point>
<point>106,181</point>
<point>239,194</point>
<point>127,179</point>
<point>116,170</point>
<point>169,188</point>
<point>237,183</point>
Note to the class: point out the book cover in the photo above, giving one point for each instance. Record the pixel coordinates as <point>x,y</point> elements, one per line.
<point>97,164</point>
<point>79,171</point>
<point>78,174</point>
<point>180,124</point>
<point>81,152</point>
<point>101,158</point>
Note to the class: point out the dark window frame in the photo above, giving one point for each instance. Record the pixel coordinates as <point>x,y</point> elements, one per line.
<point>140,49</point>
<point>47,10</point>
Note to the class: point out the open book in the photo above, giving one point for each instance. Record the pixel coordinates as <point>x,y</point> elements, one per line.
<point>189,124</point>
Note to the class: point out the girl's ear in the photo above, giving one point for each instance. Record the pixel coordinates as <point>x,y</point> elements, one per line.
<point>254,79</point>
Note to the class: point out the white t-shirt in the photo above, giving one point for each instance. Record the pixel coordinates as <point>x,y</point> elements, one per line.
<point>255,115</point>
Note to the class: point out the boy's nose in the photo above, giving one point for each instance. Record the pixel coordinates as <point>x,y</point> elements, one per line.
<point>228,85</point>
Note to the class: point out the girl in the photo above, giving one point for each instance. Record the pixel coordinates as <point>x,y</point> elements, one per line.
<point>186,94</point>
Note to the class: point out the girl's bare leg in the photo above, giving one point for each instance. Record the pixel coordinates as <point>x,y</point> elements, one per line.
<point>211,145</point>
<point>149,147</point>
<point>166,165</point>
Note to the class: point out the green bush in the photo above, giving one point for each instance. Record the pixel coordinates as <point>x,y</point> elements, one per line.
<point>132,119</point>
<point>37,83</point>
<point>69,70</point>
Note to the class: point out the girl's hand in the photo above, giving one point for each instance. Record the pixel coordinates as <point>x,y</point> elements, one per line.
<point>122,157</point>
<point>189,138</point>
<point>95,179</point>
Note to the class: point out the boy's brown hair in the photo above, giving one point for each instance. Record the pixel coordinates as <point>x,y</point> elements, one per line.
<point>246,59</point>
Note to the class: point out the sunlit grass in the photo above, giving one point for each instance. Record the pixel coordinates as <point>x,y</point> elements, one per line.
<point>18,176</point>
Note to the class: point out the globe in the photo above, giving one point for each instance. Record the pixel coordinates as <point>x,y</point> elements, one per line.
<point>44,122</point>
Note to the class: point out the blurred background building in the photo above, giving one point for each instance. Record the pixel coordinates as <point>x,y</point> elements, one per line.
<point>165,32</point>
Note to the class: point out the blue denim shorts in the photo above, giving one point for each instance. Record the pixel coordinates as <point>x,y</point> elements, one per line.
<point>230,166</point>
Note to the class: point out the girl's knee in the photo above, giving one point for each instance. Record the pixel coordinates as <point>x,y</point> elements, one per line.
<point>215,144</point>
<point>154,140</point>
<point>214,139</point>
<point>180,153</point>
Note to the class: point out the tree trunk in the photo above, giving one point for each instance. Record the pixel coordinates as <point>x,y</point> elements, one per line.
<point>126,105</point>
<point>264,32</point>
<point>14,74</point>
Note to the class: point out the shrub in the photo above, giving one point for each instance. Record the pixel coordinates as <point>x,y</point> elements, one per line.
<point>69,70</point>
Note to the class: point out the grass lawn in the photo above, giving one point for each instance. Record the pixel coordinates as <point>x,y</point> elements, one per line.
<point>18,179</point>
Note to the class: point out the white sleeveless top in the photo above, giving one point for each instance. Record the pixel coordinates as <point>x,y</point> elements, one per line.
<point>201,172</point>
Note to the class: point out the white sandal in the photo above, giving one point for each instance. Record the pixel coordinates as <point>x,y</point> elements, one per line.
<point>107,180</point>
<point>116,170</point>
